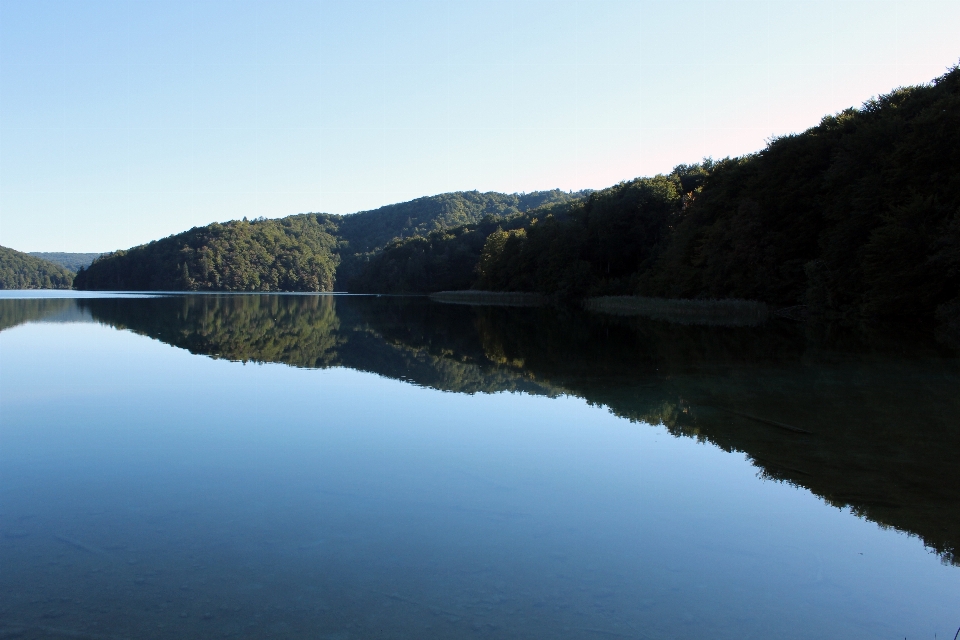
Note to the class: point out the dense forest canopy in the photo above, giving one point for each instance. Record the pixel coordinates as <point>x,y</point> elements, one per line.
<point>363,234</point>
<point>306,252</point>
<point>442,260</point>
<point>23,271</point>
<point>296,253</point>
<point>369,230</point>
<point>858,216</point>
<point>590,246</point>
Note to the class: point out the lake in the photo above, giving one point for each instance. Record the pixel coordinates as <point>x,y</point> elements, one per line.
<point>332,466</point>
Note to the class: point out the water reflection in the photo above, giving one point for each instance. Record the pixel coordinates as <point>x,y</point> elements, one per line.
<point>869,426</point>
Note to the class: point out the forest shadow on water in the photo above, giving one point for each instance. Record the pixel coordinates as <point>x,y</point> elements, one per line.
<point>866,422</point>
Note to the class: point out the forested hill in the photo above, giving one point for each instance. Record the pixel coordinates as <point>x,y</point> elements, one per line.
<point>72,261</point>
<point>857,217</point>
<point>23,271</point>
<point>368,230</point>
<point>291,254</point>
<point>307,252</point>
<point>363,234</point>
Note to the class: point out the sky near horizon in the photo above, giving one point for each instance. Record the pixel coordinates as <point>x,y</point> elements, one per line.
<point>123,122</point>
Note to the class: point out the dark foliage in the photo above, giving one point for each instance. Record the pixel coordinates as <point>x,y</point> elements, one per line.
<point>444,260</point>
<point>596,246</point>
<point>23,271</point>
<point>363,234</point>
<point>369,230</point>
<point>858,218</point>
<point>290,254</point>
<point>307,252</point>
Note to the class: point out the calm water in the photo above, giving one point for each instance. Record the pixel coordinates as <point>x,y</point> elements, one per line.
<point>361,467</point>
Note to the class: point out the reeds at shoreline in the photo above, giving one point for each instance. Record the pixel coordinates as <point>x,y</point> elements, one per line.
<point>723,313</point>
<point>494,298</point>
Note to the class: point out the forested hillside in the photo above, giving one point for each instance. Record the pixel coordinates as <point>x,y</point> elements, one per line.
<point>72,261</point>
<point>442,260</point>
<point>23,271</point>
<point>364,234</point>
<point>291,254</point>
<point>369,230</point>
<point>307,252</point>
<point>597,245</point>
<point>858,217</point>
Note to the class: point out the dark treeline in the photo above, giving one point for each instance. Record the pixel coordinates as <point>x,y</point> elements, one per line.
<point>845,415</point>
<point>23,271</point>
<point>858,217</point>
<point>307,252</point>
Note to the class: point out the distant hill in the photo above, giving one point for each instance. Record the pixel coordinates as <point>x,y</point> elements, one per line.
<point>23,271</point>
<point>306,252</point>
<point>72,261</point>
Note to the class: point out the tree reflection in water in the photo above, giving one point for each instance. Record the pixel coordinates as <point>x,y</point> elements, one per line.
<point>859,421</point>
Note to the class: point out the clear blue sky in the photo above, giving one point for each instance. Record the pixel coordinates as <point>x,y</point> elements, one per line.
<point>122,122</point>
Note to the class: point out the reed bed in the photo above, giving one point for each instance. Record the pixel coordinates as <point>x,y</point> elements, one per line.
<point>494,298</point>
<point>722,313</point>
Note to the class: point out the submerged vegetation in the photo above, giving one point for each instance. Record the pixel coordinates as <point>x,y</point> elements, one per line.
<point>495,298</point>
<point>23,271</point>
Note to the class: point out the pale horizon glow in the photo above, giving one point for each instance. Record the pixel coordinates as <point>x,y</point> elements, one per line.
<point>123,122</point>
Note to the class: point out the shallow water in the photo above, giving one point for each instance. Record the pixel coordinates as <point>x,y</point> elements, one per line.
<point>356,467</point>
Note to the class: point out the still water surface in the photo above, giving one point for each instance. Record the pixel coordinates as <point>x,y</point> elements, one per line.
<point>360,467</point>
